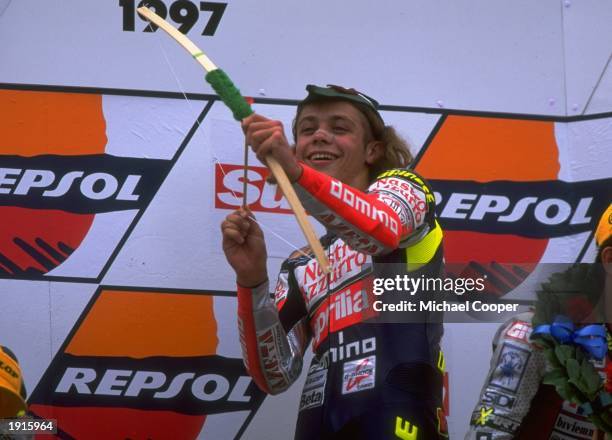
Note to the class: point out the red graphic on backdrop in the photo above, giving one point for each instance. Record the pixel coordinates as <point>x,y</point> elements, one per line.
<point>36,241</point>
<point>260,196</point>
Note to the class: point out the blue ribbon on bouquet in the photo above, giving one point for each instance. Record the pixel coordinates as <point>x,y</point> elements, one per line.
<point>591,338</point>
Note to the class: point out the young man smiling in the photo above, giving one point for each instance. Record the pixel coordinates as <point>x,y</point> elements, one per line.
<point>369,378</point>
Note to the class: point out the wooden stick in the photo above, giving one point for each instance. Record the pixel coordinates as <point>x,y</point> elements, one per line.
<point>245,176</point>
<point>298,210</point>
<point>275,167</point>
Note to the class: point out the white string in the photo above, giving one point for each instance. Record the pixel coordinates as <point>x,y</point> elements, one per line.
<point>216,159</point>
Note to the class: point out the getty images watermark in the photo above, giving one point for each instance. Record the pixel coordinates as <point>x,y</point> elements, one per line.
<point>405,298</point>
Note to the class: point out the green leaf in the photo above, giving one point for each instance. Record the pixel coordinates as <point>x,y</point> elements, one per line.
<point>543,342</point>
<point>564,352</point>
<point>564,390</point>
<point>591,378</point>
<point>555,377</point>
<point>573,369</point>
<point>580,384</point>
<point>571,393</point>
<point>551,358</point>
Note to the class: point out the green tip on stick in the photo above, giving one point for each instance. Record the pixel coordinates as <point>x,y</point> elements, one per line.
<point>229,94</point>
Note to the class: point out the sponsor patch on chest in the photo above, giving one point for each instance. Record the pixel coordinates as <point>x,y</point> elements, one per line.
<point>359,375</point>
<point>313,394</point>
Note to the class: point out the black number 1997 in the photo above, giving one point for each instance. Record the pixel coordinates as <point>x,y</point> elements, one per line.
<point>183,12</point>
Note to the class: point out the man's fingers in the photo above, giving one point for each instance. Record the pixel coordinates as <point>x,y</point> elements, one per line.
<point>251,120</point>
<point>256,126</point>
<point>270,147</point>
<point>233,235</point>
<point>257,133</point>
<point>260,136</point>
<point>239,219</point>
<point>233,232</point>
<point>235,224</point>
<point>254,228</point>
<point>245,212</point>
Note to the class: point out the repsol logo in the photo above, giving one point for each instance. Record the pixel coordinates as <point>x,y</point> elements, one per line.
<point>130,383</point>
<point>94,186</point>
<point>532,209</point>
<point>194,385</point>
<point>82,184</point>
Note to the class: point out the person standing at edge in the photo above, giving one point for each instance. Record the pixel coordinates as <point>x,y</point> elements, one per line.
<point>12,388</point>
<point>515,402</point>
<point>368,379</point>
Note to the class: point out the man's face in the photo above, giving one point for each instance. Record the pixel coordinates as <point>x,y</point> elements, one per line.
<point>331,138</point>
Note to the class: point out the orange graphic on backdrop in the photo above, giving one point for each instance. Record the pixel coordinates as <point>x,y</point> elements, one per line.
<point>134,324</point>
<point>36,123</point>
<point>488,149</point>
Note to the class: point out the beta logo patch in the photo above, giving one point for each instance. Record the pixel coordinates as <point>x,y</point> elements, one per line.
<point>313,394</point>
<point>359,375</point>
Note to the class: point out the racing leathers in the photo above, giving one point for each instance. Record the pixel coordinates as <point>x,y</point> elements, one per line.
<point>368,378</point>
<point>513,403</point>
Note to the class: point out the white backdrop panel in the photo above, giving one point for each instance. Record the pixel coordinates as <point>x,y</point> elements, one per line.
<point>478,54</point>
<point>36,319</point>
<point>587,36</point>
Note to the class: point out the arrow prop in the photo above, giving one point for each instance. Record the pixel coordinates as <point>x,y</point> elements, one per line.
<point>230,95</point>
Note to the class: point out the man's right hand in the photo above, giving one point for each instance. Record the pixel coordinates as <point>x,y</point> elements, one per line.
<point>245,248</point>
<point>267,138</point>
